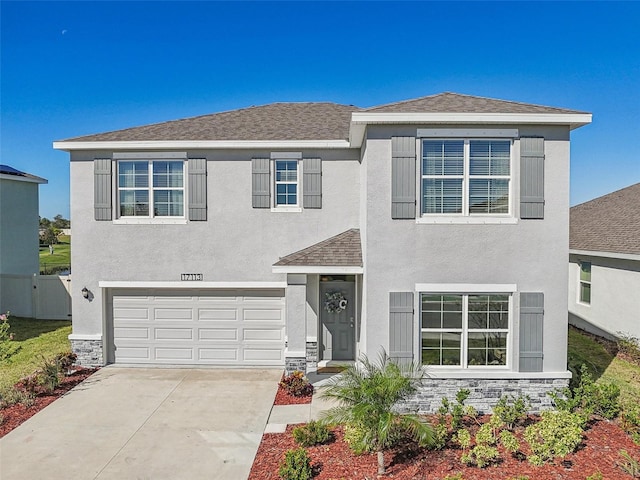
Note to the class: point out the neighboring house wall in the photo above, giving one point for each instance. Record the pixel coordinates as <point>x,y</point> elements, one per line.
<point>615,284</point>
<point>237,243</point>
<point>18,244</point>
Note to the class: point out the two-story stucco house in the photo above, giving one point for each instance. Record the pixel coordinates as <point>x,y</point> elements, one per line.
<point>19,260</point>
<point>293,234</point>
<point>604,264</point>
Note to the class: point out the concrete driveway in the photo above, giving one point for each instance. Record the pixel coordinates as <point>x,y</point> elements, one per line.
<point>146,423</point>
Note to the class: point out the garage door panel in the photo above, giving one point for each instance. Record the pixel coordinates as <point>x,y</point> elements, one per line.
<point>262,334</point>
<point>131,313</point>
<point>134,333</point>
<point>219,354</point>
<point>224,315</point>
<point>199,327</point>
<point>174,353</point>
<point>133,354</point>
<point>173,314</point>
<point>218,334</point>
<point>173,334</point>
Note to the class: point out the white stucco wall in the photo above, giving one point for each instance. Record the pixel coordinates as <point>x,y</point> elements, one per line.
<point>615,285</point>
<point>237,243</point>
<point>530,254</point>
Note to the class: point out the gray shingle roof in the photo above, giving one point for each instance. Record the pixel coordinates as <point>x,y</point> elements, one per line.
<point>458,103</point>
<point>610,223</point>
<point>304,121</point>
<point>343,250</point>
<point>276,121</point>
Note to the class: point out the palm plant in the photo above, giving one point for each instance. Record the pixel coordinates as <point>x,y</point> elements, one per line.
<point>367,393</point>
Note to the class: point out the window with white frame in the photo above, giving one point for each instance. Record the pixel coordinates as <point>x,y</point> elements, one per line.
<point>151,188</point>
<point>464,330</point>
<point>286,183</point>
<point>466,177</point>
<point>585,282</point>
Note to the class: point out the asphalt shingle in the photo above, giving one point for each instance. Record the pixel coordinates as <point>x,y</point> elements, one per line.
<point>610,223</point>
<point>342,250</point>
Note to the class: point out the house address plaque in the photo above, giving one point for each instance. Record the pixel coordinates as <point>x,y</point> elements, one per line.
<point>191,277</point>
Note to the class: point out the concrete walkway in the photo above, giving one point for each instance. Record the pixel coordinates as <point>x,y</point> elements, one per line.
<point>147,423</point>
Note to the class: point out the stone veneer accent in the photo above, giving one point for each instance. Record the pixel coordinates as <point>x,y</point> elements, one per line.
<point>89,352</point>
<point>484,393</point>
<point>312,356</point>
<point>291,364</point>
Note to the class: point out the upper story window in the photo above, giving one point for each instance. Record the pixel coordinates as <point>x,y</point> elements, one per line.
<point>151,188</point>
<point>585,282</point>
<point>286,179</point>
<point>466,177</point>
<point>464,330</point>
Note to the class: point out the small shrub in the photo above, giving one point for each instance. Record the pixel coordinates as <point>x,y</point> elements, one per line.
<point>50,373</point>
<point>66,360</point>
<point>629,345</point>
<point>354,437</point>
<point>457,410</point>
<point>8,347</point>
<point>512,410</point>
<point>630,421</point>
<point>556,435</point>
<point>296,465</point>
<point>31,384</point>
<point>589,398</point>
<point>440,436</point>
<point>463,437</point>
<point>481,455</point>
<point>486,435</point>
<point>12,395</point>
<point>629,464</point>
<point>509,441</point>
<point>313,433</point>
<point>297,384</point>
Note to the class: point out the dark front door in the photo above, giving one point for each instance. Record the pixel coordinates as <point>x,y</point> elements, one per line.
<point>337,318</point>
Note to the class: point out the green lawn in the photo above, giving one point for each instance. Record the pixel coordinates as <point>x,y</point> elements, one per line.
<point>604,366</point>
<point>61,258</point>
<point>36,338</point>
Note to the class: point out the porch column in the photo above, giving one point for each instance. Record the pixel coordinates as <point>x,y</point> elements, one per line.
<point>295,352</point>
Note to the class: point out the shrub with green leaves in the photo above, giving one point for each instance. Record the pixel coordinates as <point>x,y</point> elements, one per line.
<point>484,452</point>
<point>354,437</point>
<point>50,372</point>
<point>630,421</point>
<point>629,345</point>
<point>12,395</point>
<point>440,436</point>
<point>8,347</point>
<point>512,410</point>
<point>296,465</point>
<point>457,410</point>
<point>557,434</point>
<point>589,398</point>
<point>509,441</point>
<point>481,455</point>
<point>297,384</point>
<point>313,433</point>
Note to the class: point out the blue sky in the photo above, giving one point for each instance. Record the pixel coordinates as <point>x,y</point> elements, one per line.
<point>74,68</point>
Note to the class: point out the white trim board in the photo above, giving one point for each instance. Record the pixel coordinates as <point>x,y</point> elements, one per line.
<point>189,285</point>
<point>621,256</point>
<point>198,144</point>
<point>317,269</point>
<point>465,287</point>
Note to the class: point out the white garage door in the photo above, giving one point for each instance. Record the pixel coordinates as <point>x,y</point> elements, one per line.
<point>204,327</point>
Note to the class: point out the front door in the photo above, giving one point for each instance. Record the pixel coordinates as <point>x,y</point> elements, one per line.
<point>337,319</point>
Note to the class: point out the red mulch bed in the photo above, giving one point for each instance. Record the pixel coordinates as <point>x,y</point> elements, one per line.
<point>17,414</point>
<point>285,398</point>
<point>598,453</point>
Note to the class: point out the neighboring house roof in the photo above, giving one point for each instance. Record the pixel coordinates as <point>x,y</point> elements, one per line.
<point>610,223</point>
<point>459,103</point>
<point>342,250</point>
<point>11,173</point>
<point>275,121</point>
<point>305,121</point>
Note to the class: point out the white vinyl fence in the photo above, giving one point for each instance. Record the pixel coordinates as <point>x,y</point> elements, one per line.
<point>44,297</point>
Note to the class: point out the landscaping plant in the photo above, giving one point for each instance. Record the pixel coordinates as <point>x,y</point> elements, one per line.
<point>297,384</point>
<point>629,464</point>
<point>630,421</point>
<point>7,347</point>
<point>296,465</point>
<point>557,434</point>
<point>512,410</point>
<point>367,394</point>
<point>630,346</point>
<point>313,433</point>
